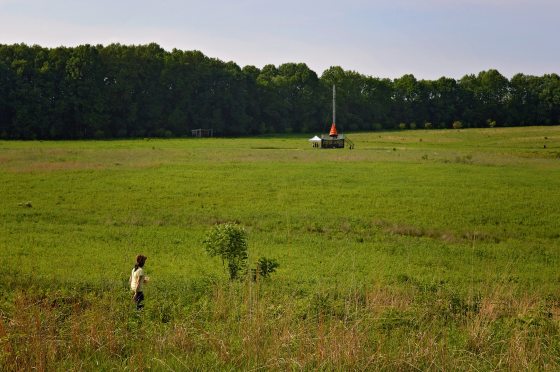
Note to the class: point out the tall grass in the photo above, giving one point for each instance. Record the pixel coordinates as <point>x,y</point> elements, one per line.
<point>247,326</point>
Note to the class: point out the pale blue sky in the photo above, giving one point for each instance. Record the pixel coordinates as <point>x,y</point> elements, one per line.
<point>384,38</point>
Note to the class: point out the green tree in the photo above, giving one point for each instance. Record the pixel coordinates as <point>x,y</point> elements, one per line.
<point>410,99</point>
<point>6,108</point>
<point>484,96</point>
<point>444,101</point>
<point>133,91</point>
<point>228,241</point>
<point>549,99</point>
<point>85,94</point>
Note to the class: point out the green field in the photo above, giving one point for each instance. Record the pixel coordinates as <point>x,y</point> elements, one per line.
<point>430,250</point>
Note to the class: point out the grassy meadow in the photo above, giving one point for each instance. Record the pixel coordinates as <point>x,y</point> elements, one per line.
<point>417,250</point>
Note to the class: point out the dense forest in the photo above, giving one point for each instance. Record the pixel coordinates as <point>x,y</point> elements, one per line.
<point>120,91</point>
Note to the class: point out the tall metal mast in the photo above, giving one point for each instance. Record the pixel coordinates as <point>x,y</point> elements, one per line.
<point>334,104</point>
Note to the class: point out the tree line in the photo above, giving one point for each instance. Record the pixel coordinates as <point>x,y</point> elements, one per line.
<point>118,91</point>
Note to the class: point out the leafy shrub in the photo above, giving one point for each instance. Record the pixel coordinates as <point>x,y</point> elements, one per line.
<point>402,126</point>
<point>491,123</point>
<point>264,268</point>
<point>457,124</point>
<point>228,241</point>
<point>428,125</point>
<point>412,125</point>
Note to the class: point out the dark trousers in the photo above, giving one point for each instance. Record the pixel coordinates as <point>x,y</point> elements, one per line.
<point>138,299</point>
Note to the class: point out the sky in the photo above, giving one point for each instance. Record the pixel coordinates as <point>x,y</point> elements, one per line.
<point>381,38</point>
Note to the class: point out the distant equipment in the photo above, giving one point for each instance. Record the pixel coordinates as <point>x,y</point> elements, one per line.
<point>334,140</point>
<point>202,132</point>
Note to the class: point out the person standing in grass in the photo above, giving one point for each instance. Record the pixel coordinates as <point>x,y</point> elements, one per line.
<point>137,280</point>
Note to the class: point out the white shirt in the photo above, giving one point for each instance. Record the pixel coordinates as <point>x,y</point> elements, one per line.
<point>137,279</point>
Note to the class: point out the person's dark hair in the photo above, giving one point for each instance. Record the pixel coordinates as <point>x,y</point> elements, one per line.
<point>140,260</point>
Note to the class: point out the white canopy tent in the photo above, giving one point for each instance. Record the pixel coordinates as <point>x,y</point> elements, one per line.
<point>315,139</point>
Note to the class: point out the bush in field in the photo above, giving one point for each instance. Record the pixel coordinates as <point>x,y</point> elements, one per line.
<point>402,126</point>
<point>412,125</point>
<point>457,124</point>
<point>264,268</point>
<point>428,125</point>
<point>228,241</point>
<point>491,123</point>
